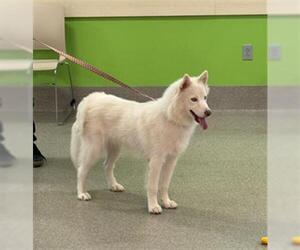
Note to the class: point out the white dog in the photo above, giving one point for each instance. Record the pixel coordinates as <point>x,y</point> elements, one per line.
<point>160,129</point>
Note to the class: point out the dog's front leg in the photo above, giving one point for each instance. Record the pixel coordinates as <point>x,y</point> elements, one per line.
<point>155,166</point>
<point>165,180</point>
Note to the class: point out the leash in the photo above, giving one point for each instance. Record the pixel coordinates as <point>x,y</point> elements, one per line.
<point>95,70</point>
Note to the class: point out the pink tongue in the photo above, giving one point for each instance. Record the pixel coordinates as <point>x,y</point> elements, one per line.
<point>202,122</point>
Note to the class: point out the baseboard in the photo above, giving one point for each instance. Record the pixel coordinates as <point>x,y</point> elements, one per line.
<point>220,98</point>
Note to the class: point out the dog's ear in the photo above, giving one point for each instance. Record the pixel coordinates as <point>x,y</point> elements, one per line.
<point>203,77</point>
<point>186,81</point>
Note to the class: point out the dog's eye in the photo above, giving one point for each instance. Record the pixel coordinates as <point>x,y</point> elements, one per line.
<point>194,99</point>
<point>205,97</point>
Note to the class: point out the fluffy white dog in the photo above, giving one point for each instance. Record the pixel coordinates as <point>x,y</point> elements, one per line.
<point>160,129</point>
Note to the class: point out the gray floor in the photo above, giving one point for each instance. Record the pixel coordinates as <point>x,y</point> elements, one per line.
<point>219,184</point>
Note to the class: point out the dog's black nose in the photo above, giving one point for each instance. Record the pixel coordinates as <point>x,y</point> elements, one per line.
<point>207,112</point>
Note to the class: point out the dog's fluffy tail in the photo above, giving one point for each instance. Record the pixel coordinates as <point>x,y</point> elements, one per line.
<point>75,144</point>
<point>77,131</point>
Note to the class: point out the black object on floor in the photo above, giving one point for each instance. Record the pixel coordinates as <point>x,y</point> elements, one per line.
<point>6,158</point>
<point>38,158</point>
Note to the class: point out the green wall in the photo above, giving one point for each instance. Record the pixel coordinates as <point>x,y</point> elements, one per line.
<point>284,31</point>
<point>154,51</point>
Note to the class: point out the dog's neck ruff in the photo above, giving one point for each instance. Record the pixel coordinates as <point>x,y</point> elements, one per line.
<point>174,115</point>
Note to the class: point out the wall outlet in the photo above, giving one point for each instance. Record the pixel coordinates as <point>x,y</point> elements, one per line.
<point>247,52</point>
<point>274,52</point>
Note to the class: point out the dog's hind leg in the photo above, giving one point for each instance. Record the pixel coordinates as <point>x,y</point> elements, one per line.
<point>89,155</point>
<point>113,152</point>
<point>165,180</point>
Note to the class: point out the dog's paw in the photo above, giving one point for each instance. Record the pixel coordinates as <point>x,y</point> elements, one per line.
<point>155,209</point>
<point>117,188</point>
<point>169,204</point>
<point>84,197</point>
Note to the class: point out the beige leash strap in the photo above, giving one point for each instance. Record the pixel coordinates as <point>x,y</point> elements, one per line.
<point>95,70</point>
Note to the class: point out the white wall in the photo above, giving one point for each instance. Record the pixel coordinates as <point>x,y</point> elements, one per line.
<point>86,8</point>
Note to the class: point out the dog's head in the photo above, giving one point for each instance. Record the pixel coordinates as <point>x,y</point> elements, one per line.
<point>192,98</point>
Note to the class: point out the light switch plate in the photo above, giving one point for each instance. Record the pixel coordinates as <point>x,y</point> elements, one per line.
<point>274,52</point>
<point>247,52</point>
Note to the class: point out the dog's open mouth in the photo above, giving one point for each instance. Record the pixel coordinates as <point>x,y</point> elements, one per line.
<point>200,120</point>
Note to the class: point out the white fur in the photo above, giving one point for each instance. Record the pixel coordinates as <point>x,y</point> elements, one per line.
<point>159,129</point>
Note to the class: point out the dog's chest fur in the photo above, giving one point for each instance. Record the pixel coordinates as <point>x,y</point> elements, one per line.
<point>165,137</point>
<point>175,139</point>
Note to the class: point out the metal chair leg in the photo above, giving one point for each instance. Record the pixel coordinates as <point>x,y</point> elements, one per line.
<point>55,96</point>
<point>73,100</point>
<point>70,79</point>
<point>66,117</point>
